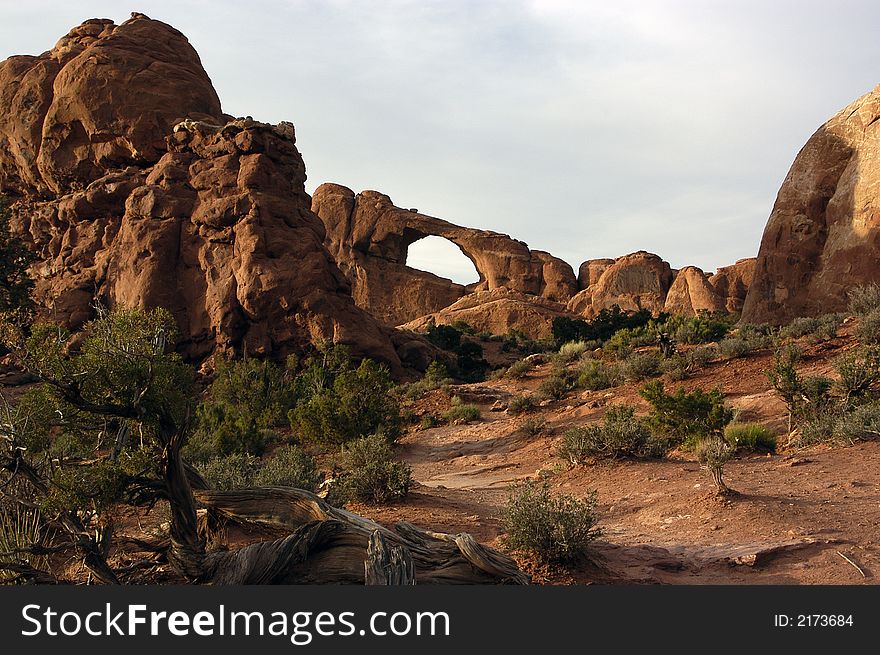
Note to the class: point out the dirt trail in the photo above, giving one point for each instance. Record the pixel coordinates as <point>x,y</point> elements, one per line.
<point>798,513</point>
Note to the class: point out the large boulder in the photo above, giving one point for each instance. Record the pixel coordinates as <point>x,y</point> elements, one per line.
<point>633,282</point>
<point>691,293</point>
<point>497,312</point>
<point>369,237</point>
<point>823,235</point>
<point>134,189</point>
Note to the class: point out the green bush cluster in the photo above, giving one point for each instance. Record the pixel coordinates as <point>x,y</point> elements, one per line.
<point>370,472</point>
<point>750,437</point>
<point>288,466</point>
<point>621,434</point>
<point>685,417</point>
<point>553,529</point>
<point>461,412</point>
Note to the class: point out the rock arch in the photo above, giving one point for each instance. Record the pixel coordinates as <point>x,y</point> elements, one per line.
<point>369,238</point>
<point>444,258</point>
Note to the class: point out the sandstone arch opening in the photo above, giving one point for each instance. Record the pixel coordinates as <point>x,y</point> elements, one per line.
<point>442,257</point>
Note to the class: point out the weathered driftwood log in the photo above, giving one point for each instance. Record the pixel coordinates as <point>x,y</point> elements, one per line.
<point>329,544</point>
<point>387,565</point>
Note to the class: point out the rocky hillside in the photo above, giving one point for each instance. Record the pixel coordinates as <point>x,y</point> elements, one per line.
<point>135,189</point>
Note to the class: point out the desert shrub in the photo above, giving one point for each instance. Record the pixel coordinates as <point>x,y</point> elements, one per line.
<point>228,472</point>
<point>464,327</point>
<point>713,452</point>
<point>554,387</point>
<point>246,398</point>
<point>734,347</point>
<point>15,258</point>
<point>620,344</point>
<point>676,367</point>
<point>572,350</point>
<point>684,417</point>
<point>860,424</point>
<point>533,426</point>
<point>471,367</point>
<point>522,404</point>
<point>461,412</point>
<point>223,429</point>
<point>21,526</point>
<point>288,466</point>
<point>621,434</point>
<point>750,437</point>
<point>370,473</point>
<point>859,371</point>
<point>868,329</point>
<point>436,377</point>
<point>642,365</point>
<point>864,299</point>
<point>595,375</point>
<point>605,324</point>
<point>519,369</point>
<point>703,328</point>
<point>700,356</point>
<point>358,403</point>
<point>816,330</point>
<point>552,529</point>
<point>428,421</point>
<point>446,337</point>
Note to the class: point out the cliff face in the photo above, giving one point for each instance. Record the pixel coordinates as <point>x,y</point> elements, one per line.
<point>135,189</point>
<point>823,234</point>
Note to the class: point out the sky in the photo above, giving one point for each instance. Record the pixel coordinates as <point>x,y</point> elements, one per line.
<point>586,129</point>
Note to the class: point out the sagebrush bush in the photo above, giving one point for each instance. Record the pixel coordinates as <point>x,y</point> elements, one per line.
<point>642,365</point>
<point>713,452</point>
<point>519,369</point>
<point>868,329</point>
<point>552,529</point>
<point>522,404</point>
<point>228,472</point>
<point>288,466</point>
<point>533,426</point>
<point>860,424</point>
<point>734,347</point>
<point>676,367</point>
<point>859,371</point>
<point>822,328</point>
<point>621,434</point>
<point>555,387</point>
<point>370,473</point>
<point>595,375</point>
<point>864,299</point>
<point>436,377</point>
<point>461,412</point>
<point>428,421</point>
<point>700,356</point>
<point>572,350</point>
<point>750,437</point>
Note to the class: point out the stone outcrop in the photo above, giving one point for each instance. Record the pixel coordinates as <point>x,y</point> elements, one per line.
<point>135,189</point>
<point>496,312</point>
<point>369,238</point>
<point>637,281</point>
<point>591,270</point>
<point>642,280</point>
<point>732,283</point>
<point>691,292</point>
<point>823,234</point>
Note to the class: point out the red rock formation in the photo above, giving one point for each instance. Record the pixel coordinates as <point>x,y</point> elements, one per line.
<point>128,203</point>
<point>823,235</point>
<point>691,292</point>
<point>591,270</point>
<point>633,282</point>
<point>732,283</point>
<point>496,312</point>
<point>369,237</point>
